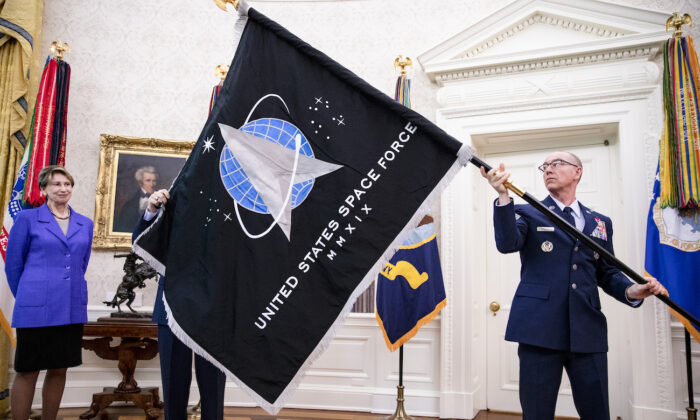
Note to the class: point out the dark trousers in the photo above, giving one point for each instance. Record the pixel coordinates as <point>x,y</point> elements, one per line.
<point>540,377</point>
<point>176,375</point>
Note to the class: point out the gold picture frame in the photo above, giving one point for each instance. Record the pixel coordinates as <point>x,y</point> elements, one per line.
<point>118,191</point>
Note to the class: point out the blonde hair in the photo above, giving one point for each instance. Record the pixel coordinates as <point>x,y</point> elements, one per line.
<point>48,172</point>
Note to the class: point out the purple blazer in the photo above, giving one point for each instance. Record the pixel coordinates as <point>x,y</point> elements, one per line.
<point>46,269</point>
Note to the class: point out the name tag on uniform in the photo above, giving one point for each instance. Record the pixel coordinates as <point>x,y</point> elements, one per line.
<point>545,228</point>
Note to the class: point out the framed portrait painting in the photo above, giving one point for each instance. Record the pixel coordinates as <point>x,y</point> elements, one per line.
<point>130,170</point>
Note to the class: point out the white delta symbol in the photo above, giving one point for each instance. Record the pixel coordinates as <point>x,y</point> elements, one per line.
<point>268,167</point>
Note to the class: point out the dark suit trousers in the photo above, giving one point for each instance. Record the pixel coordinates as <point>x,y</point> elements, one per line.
<point>176,374</point>
<point>540,377</point>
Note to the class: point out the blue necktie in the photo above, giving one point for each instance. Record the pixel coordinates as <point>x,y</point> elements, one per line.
<point>569,216</point>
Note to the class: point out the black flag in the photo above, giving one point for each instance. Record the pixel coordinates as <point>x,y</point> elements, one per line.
<point>303,183</point>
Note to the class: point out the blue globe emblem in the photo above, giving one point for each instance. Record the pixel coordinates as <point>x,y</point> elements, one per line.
<point>234,177</point>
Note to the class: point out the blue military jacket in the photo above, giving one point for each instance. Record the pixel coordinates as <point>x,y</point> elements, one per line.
<point>556,304</point>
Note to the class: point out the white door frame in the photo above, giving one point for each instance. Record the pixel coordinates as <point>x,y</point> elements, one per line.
<point>638,117</point>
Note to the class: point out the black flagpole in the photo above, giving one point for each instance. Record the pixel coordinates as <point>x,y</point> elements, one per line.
<point>692,411</point>
<point>563,224</point>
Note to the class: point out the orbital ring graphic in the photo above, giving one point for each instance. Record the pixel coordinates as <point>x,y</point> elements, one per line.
<point>297,147</point>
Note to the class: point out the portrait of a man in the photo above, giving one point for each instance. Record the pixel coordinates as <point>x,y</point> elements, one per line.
<point>146,178</point>
<point>138,176</point>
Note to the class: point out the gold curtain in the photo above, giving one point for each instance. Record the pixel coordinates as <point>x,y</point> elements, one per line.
<point>20,37</point>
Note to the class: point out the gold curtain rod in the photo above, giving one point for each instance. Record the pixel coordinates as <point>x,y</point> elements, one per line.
<point>222,4</point>
<point>402,62</point>
<point>677,21</point>
<point>57,48</point>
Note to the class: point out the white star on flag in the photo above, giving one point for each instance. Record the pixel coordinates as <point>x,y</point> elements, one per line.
<point>208,144</point>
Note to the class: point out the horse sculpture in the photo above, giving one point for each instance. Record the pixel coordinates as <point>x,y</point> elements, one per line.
<point>135,275</point>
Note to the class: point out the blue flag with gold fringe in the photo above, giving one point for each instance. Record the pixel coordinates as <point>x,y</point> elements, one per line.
<point>673,255</point>
<point>410,289</point>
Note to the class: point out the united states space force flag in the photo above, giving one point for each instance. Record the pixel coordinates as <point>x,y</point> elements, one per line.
<point>302,184</point>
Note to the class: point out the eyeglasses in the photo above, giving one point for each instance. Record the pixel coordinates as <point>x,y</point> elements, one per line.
<point>556,163</point>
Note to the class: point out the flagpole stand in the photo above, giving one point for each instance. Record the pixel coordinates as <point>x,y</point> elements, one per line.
<point>400,412</point>
<point>692,411</point>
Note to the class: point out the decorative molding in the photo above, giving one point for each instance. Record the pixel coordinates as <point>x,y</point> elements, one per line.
<point>596,57</point>
<point>548,19</point>
<point>447,333</point>
<point>612,32</point>
<point>652,138</point>
<point>663,367</point>
<point>546,103</point>
<point>587,81</point>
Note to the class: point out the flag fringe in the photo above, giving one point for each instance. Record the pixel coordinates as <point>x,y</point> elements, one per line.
<point>687,324</point>
<point>410,334</point>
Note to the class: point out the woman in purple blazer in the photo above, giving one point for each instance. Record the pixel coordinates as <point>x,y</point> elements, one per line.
<point>47,254</point>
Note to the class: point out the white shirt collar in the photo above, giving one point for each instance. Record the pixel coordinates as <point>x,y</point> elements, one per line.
<point>575,207</point>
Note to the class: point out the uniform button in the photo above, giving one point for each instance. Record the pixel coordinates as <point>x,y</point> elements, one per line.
<point>68,267</point>
<point>67,255</point>
<point>576,249</point>
<point>66,278</point>
<point>575,267</point>
<point>573,286</point>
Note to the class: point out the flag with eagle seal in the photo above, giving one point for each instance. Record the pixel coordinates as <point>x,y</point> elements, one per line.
<point>302,184</point>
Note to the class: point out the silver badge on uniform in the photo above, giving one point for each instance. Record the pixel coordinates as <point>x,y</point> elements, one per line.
<point>595,255</point>
<point>547,246</point>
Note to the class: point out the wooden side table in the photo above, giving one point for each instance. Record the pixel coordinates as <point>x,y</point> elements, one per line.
<point>137,343</point>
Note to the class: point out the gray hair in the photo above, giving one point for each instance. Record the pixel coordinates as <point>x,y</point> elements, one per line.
<point>138,175</point>
<point>575,159</point>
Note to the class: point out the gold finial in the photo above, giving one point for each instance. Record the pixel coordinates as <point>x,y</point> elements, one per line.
<point>221,71</point>
<point>402,62</point>
<point>677,21</point>
<point>222,4</point>
<point>57,48</point>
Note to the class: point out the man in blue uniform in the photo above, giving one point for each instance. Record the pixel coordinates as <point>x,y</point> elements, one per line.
<point>555,316</point>
<point>175,356</point>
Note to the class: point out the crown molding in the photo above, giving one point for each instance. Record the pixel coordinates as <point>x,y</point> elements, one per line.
<point>566,23</point>
<point>621,95</point>
<point>616,32</point>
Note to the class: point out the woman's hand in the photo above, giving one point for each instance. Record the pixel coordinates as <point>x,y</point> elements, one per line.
<point>157,199</point>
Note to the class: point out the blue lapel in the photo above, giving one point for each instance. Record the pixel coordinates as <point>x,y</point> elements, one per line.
<point>74,225</point>
<point>590,220</point>
<point>550,204</point>
<point>50,223</point>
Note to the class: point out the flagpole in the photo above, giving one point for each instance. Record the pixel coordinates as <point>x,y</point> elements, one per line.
<point>402,96</point>
<point>692,411</point>
<point>563,224</point>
